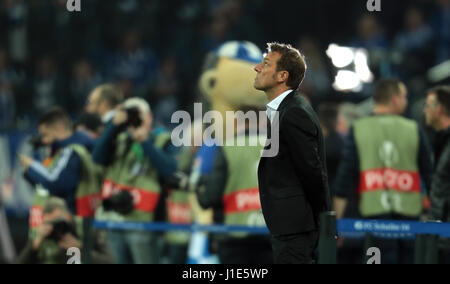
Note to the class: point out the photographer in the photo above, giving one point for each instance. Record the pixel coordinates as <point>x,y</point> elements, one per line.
<point>135,159</point>
<point>55,236</point>
<point>69,173</point>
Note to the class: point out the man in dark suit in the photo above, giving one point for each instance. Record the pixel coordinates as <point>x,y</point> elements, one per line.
<point>293,184</point>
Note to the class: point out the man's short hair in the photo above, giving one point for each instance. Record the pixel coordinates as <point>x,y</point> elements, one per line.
<point>443,97</point>
<point>386,89</point>
<point>291,61</point>
<point>55,115</point>
<point>110,94</point>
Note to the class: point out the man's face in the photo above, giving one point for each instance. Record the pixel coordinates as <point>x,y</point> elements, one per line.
<point>266,72</point>
<point>48,134</point>
<point>401,99</point>
<point>431,106</point>
<point>93,102</point>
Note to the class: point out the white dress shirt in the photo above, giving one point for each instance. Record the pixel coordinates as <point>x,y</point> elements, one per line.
<point>273,106</point>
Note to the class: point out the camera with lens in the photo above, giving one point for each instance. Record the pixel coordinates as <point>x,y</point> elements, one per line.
<point>36,141</point>
<point>60,228</point>
<point>181,181</point>
<point>178,180</point>
<point>134,118</point>
<point>121,203</point>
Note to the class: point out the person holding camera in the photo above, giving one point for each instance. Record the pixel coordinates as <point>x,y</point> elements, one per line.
<point>69,173</point>
<point>55,235</point>
<point>135,158</point>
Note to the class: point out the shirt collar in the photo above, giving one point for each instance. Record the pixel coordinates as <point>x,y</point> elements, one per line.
<point>275,103</point>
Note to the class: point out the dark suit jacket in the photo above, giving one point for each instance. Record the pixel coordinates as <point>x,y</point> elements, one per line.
<point>293,185</point>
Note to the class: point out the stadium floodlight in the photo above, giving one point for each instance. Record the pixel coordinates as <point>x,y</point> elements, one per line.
<point>362,66</point>
<point>340,56</point>
<point>352,66</point>
<point>346,80</point>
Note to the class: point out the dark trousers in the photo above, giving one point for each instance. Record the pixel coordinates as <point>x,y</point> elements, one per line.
<point>296,249</point>
<point>247,251</point>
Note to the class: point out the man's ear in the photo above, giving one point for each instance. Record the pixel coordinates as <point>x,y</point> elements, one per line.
<point>207,82</point>
<point>283,76</point>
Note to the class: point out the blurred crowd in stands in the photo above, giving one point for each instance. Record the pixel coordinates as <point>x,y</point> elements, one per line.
<point>154,49</point>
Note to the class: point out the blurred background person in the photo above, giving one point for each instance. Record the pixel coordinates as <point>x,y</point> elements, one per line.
<point>58,232</point>
<point>438,117</point>
<point>67,172</point>
<point>62,176</point>
<point>178,208</point>
<point>135,157</point>
<point>379,150</point>
<point>437,112</point>
<point>55,235</point>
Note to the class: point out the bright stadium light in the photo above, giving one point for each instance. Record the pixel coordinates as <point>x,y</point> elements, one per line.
<point>352,67</point>
<point>340,56</point>
<point>362,66</point>
<point>347,81</point>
